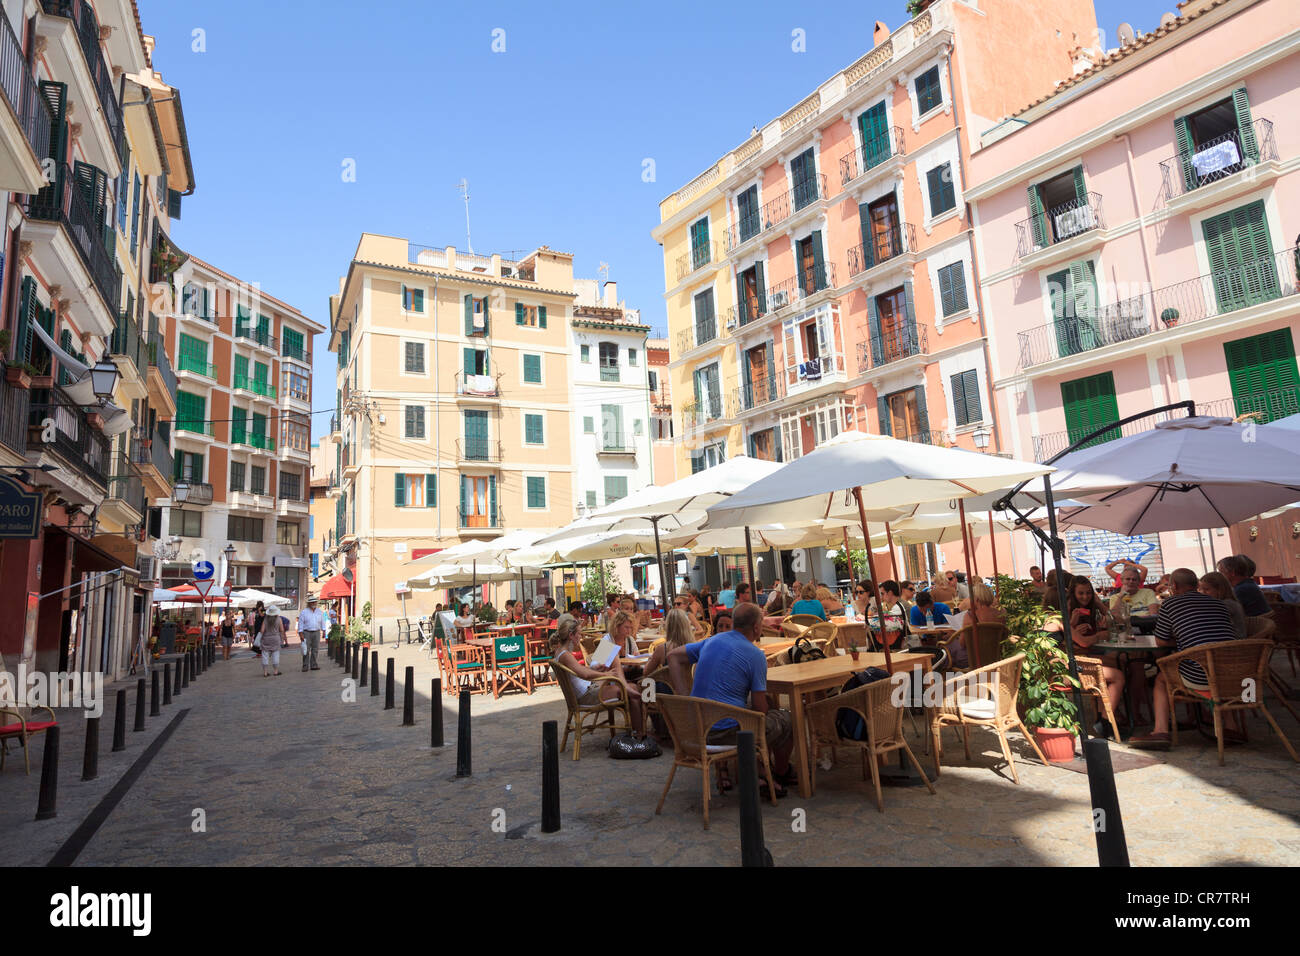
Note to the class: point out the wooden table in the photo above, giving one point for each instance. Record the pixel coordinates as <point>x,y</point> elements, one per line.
<point>796,680</point>
<point>1144,645</point>
<point>771,646</point>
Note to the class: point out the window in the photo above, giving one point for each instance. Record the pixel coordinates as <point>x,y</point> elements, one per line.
<point>1059,208</point>
<point>191,413</point>
<point>412,299</point>
<point>135,214</point>
<point>476,435</point>
<point>966,398</point>
<point>803,173</point>
<point>290,486</point>
<point>1240,252</point>
<point>873,126</point>
<point>615,488</point>
<point>588,425</point>
<point>533,434</point>
<point>193,356</point>
<point>257,483</point>
<point>286,582</point>
<point>263,334</point>
<point>240,528</point>
<point>654,381</point>
<point>585,352</point>
<point>239,426</point>
<point>1217,141</point>
<point>414,425</point>
<point>187,524</point>
<point>706,328</point>
<point>952,288</point>
<point>536,491</point>
<point>747,212</point>
<point>811,264</point>
<point>1090,403</point>
<point>187,466</point>
<point>1263,375</point>
<point>751,293</point>
<point>608,362</point>
<point>637,427</point>
<point>295,384</point>
<point>477,320</point>
<point>631,358</point>
<point>928,92</point>
<point>530,316</point>
<point>533,369</point>
<point>591,499</point>
<point>414,364</point>
<point>286,532</point>
<point>295,433</point>
<point>611,420</point>
<point>194,300</point>
<point>236,476</point>
<point>942,195</point>
<point>700,251</point>
<point>415,491</point>
<point>708,456</point>
<point>708,393</point>
<point>1072,294</point>
<point>291,344</point>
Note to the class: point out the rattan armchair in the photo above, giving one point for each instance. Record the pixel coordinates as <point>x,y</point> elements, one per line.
<point>689,720</point>
<point>1230,667</point>
<point>872,702</point>
<point>580,714</point>
<point>1266,629</point>
<point>985,697</point>
<point>22,729</point>
<point>1092,681</point>
<point>795,625</point>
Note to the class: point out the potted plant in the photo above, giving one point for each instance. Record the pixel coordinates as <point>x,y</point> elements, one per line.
<point>853,652</point>
<point>18,376</point>
<point>486,613</point>
<point>1046,689</point>
<point>917,7</point>
<point>1169,317</point>
<point>359,627</point>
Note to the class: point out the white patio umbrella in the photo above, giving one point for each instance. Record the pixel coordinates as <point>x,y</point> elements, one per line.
<point>1195,472</point>
<point>249,597</point>
<point>856,471</point>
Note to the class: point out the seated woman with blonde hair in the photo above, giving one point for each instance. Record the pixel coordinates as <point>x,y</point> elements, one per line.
<point>808,603</point>
<point>830,603</point>
<point>564,646</point>
<point>984,605</point>
<point>679,631</point>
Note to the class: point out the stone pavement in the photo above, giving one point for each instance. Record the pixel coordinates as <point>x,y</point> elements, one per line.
<point>286,772</point>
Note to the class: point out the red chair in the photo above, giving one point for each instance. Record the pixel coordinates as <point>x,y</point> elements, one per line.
<point>24,730</point>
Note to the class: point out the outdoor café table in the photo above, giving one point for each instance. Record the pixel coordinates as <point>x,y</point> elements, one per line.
<point>772,646</point>
<point>796,680</point>
<point>1142,646</point>
<point>1290,593</point>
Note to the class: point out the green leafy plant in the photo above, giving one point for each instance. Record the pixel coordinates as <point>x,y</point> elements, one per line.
<point>1169,317</point>
<point>916,7</point>
<point>5,338</point>
<point>860,565</point>
<point>487,613</point>
<point>1045,681</point>
<point>601,580</point>
<point>359,626</point>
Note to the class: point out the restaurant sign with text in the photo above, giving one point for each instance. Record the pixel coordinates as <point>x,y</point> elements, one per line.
<point>20,511</point>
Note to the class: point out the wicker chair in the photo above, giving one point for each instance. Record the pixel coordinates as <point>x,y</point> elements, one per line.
<point>589,644</point>
<point>965,706</point>
<point>794,625</point>
<point>1093,683</point>
<point>1229,666</point>
<point>824,634</point>
<point>1265,629</point>
<point>579,714</point>
<point>689,720</point>
<point>1287,619</point>
<point>23,730</point>
<point>884,730</point>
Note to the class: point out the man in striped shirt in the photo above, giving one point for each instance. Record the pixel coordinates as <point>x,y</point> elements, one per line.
<point>1186,619</point>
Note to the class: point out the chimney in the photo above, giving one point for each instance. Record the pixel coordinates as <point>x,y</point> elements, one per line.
<point>610,295</point>
<point>496,264</point>
<point>451,257</point>
<point>1084,58</point>
<point>880,34</point>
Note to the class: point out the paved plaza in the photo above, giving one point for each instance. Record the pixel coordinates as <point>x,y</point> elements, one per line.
<point>286,772</point>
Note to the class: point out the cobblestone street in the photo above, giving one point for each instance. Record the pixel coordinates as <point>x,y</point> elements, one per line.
<point>286,772</point>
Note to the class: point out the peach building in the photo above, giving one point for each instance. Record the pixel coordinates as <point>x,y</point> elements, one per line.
<point>821,276</point>
<point>1132,232</point>
<point>664,469</point>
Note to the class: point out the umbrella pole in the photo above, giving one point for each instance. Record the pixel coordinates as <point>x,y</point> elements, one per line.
<point>477,602</point>
<point>974,549</point>
<point>893,558</point>
<point>659,561</point>
<point>1209,533</point>
<point>875,593</point>
<point>749,556</point>
<point>993,539</point>
<point>848,559</point>
<point>973,650</point>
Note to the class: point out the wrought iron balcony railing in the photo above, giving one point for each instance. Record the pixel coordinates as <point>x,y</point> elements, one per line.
<point>22,92</point>
<point>881,248</point>
<point>893,345</point>
<point>72,437</point>
<point>759,392</point>
<point>478,450</point>
<point>1085,331</point>
<point>260,336</point>
<point>127,341</point>
<point>492,519</point>
<point>87,29</point>
<point>1218,159</point>
<point>155,452</point>
<point>871,154</point>
<point>699,333</point>
<point>701,255</point>
<point>1227,290</point>
<point>158,359</point>
<point>62,201</point>
<point>128,489</point>
<point>15,406</point>
<point>1059,223</point>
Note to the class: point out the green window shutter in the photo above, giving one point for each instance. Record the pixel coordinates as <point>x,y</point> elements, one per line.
<point>588,425</point>
<point>492,500</point>
<point>519,313</point>
<point>541,316</point>
<point>966,397</point>
<point>238,425</point>
<point>536,491</point>
<point>533,429</point>
<point>909,319</point>
<point>1080,187</point>
<point>952,288</point>
<point>1245,126</point>
<point>1183,135</point>
<point>742,303</point>
<point>469,315</point>
<point>399,490</point>
<point>464,497</point>
<point>1090,403</point>
<point>762,290</point>
<point>819,262</point>
<point>533,369</point>
<point>874,330</point>
<point>241,373</point>
<point>1239,249</point>
<point>470,363</point>
<point>934,182</point>
<point>864,229</point>
<point>873,126</point>
<point>430,491</point>
<point>26,316</point>
<point>1037,216</point>
<point>922,413</point>
<point>591,499</point>
<point>882,409</point>
<point>958,400</point>
<point>929,94</point>
<point>1263,374</point>
<point>615,488</point>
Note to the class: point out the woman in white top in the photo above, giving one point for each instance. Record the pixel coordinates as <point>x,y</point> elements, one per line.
<point>622,627</point>
<point>564,644</point>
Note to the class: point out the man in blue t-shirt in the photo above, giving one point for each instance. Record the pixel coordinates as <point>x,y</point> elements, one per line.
<point>1237,570</point>
<point>925,603</point>
<point>730,668</point>
<point>727,597</point>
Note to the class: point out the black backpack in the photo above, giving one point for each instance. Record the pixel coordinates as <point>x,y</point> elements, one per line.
<point>849,723</point>
<point>805,650</point>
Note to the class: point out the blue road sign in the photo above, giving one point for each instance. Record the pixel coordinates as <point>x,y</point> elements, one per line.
<point>203,570</point>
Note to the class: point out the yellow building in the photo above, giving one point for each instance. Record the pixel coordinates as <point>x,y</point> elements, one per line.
<point>453,414</point>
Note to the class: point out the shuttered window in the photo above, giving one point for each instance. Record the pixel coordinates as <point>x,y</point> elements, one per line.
<point>615,488</point>
<point>1262,372</point>
<point>414,422</point>
<point>536,491</point>
<point>236,476</point>
<point>1090,403</point>
<point>533,369</point>
<point>191,413</point>
<point>533,434</point>
<point>873,125</point>
<point>399,490</point>
<point>952,288</point>
<point>291,342</point>
<point>1240,251</point>
<point>699,243</point>
<point>942,194</point>
<point>747,210</point>
<point>412,299</point>
<point>966,398</point>
<point>803,173</point>
<point>929,94</point>
<point>414,358</point>
<point>588,425</point>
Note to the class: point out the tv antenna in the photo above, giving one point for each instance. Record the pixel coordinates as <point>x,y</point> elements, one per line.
<point>463,186</point>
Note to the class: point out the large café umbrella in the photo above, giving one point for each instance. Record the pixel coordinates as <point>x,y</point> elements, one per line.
<point>462,561</point>
<point>856,471</point>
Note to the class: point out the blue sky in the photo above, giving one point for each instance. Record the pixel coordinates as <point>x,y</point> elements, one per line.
<point>551,133</point>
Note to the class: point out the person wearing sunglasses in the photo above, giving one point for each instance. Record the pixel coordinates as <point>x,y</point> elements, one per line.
<point>862,598</point>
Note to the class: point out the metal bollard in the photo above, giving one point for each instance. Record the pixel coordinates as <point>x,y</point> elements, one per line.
<point>343,661</point>
<point>408,698</point>
<point>119,722</point>
<point>139,705</point>
<point>90,761</point>
<point>167,682</point>
<point>435,722</point>
<point>752,851</point>
<point>185,668</point>
<point>463,763</point>
<point>357,653</point>
<point>388,686</point>
<point>1112,848</point>
<point>176,688</point>
<point>153,694</point>
<point>374,673</point>
<point>381,633</point>
<point>550,777</point>
<point>365,668</point>
<point>45,809</point>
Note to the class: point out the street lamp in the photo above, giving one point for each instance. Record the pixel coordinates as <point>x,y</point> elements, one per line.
<point>230,573</point>
<point>103,378</point>
<point>982,436</point>
<point>181,492</point>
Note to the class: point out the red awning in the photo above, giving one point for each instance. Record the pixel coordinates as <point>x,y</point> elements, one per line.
<point>336,587</point>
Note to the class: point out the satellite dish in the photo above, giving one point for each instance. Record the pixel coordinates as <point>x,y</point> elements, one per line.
<point>1168,20</point>
<point>1126,34</point>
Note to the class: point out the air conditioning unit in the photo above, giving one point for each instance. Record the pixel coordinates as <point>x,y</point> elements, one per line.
<point>778,300</point>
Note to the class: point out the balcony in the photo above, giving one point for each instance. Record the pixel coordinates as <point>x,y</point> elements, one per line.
<point>478,386</point>
<point>1230,290</point>
<point>92,90</point>
<point>188,492</point>
<point>1120,322</point>
<point>759,392</point>
<point>332,485</point>
<point>162,380</point>
<point>700,333</point>
<point>882,248</point>
<point>127,343</point>
<point>777,210</point>
<point>197,366</point>
<point>15,406</point>
<point>616,445</point>
<point>478,450</point>
<point>872,157</point>
<point>125,502</point>
<point>295,353</point>
<point>188,427</point>
<point>701,255</point>
<point>699,414</point>
<point>803,286</point>
<point>258,337</point>
<point>893,345</point>
<point>931,437</point>
<point>153,459</point>
<point>489,521</point>
<point>24,138</point>
<point>256,386</point>
<point>72,438</point>
<point>1058,225</point>
<point>1217,161</point>
<point>62,202</point>
<point>241,436</point>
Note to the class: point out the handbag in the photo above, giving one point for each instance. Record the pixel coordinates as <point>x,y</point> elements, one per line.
<point>805,650</point>
<point>627,747</point>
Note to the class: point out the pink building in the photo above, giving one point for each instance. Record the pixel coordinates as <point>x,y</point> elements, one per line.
<point>1133,236</point>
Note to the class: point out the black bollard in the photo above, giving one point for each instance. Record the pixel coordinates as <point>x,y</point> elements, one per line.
<point>550,777</point>
<point>90,762</point>
<point>381,633</point>
<point>463,763</point>
<point>119,722</point>
<point>154,711</point>
<point>1112,849</point>
<point>357,653</point>
<point>139,705</point>
<point>388,686</point>
<point>49,776</point>
<point>176,689</point>
<point>752,851</point>
<point>184,666</point>
<point>408,698</point>
<point>167,682</point>
<point>365,668</point>
<point>347,656</point>
<point>435,721</point>
<point>374,673</point>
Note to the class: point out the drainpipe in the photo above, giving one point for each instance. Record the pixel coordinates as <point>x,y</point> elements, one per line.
<point>437,416</point>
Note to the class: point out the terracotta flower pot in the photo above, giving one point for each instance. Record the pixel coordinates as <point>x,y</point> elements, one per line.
<point>42,381</point>
<point>1057,744</point>
<point>18,377</point>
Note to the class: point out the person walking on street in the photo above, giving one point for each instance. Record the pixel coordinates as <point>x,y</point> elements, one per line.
<point>310,624</point>
<point>227,635</point>
<point>272,640</point>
